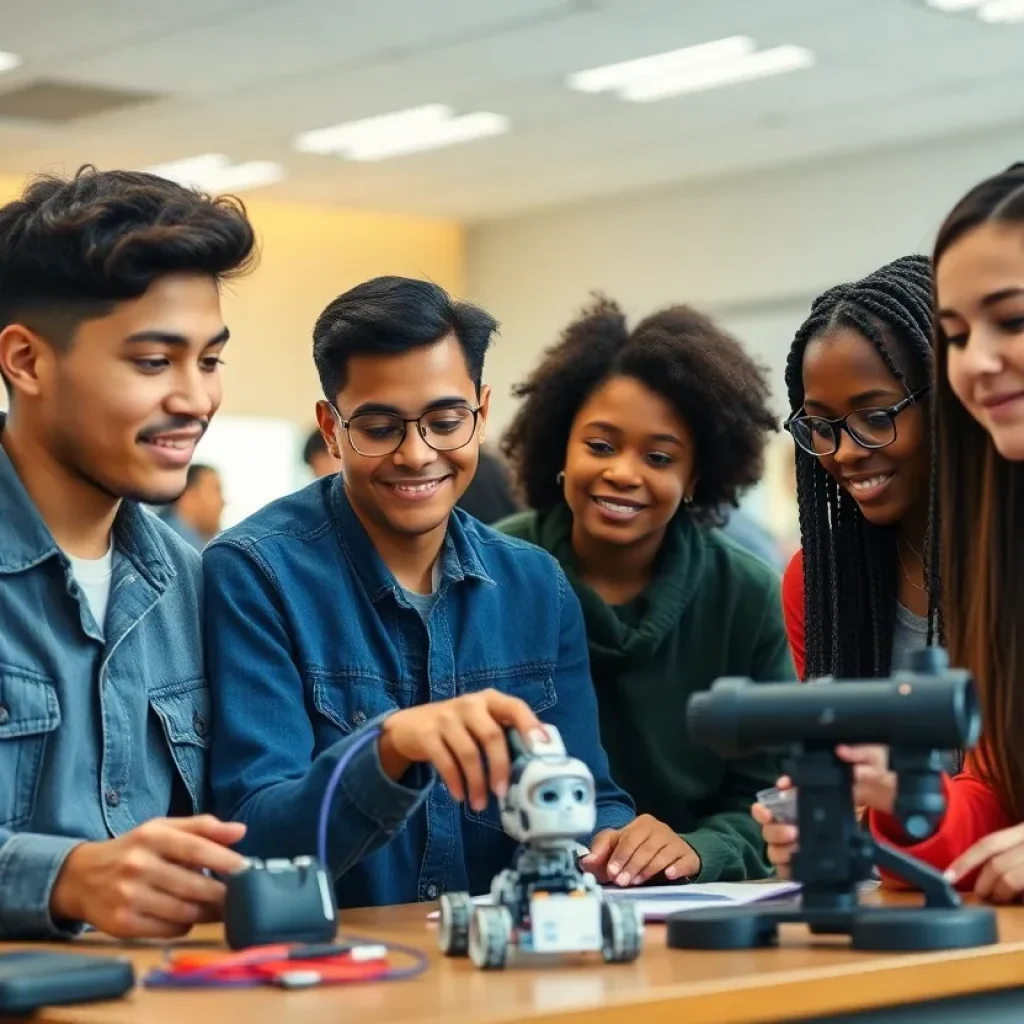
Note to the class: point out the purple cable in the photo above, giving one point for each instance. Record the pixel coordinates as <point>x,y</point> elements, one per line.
<point>332,785</point>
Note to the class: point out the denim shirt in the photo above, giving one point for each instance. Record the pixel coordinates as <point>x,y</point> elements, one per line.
<point>102,725</point>
<point>311,642</point>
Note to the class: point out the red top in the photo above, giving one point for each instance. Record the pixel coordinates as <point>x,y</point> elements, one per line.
<point>973,809</point>
<point>793,609</point>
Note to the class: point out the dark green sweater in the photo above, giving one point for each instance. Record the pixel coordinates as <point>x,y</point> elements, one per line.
<point>712,610</point>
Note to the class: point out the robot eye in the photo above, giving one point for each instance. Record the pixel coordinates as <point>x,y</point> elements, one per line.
<point>579,794</point>
<point>548,796</point>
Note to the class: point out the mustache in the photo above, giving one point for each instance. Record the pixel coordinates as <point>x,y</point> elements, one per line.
<point>174,425</point>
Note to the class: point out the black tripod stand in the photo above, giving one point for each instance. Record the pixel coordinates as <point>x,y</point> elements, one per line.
<point>835,855</point>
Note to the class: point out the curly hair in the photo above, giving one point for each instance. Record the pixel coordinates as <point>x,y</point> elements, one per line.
<point>850,577</point>
<point>72,249</point>
<point>705,374</point>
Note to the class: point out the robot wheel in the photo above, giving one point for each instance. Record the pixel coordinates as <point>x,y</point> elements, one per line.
<point>453,927</point>
<point>623,931</point>
<point>490,936</point>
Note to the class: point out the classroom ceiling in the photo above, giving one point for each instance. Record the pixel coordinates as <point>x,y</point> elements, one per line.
<point>142,82</point>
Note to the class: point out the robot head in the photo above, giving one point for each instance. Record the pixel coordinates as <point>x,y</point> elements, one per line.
<point>550,795</point>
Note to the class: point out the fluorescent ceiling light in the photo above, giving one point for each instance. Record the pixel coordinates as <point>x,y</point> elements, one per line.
<point>692,69</point>
<point>8,61</point>
<point>616,76</point>
<point>406,131</point>
<point>1002,12</point>
<point>214,172</point>
<point>954,6</point>
<point>994,12</point>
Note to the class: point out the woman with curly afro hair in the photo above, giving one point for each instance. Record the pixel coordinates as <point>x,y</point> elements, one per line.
<point>627,444</point>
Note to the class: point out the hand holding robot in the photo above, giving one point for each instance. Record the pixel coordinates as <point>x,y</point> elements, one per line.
<point>544,903</point>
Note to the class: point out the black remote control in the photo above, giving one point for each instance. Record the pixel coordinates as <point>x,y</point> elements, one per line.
<point>273,901</point>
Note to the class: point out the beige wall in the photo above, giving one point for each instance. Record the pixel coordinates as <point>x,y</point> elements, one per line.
<point>310,255</point>
<point>752,250</point>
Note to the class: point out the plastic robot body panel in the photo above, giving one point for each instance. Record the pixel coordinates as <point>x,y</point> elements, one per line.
<point>549,799</point>
<point>544,903</point>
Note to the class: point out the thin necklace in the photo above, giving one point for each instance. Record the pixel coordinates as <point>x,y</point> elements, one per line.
<point>906,571</point>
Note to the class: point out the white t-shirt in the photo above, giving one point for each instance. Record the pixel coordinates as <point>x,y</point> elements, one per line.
<point>94,575</point>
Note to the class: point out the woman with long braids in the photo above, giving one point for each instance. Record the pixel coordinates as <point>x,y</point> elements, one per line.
<point>858,373</point>
<point>856,597</point>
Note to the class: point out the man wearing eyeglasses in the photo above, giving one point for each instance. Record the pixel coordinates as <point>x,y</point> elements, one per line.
<point>367,602</point>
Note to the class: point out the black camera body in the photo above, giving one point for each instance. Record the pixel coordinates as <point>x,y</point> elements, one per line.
<point>918,714</point>
<point>279,901</point>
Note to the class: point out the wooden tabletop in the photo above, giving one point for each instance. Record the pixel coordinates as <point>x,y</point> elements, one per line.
<point>802,977</point>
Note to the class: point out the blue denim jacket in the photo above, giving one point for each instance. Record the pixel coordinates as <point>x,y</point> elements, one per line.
<point>101,729</point>
<point>311,641</point>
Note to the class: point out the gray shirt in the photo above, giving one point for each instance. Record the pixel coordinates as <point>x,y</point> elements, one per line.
<point>910,633</point>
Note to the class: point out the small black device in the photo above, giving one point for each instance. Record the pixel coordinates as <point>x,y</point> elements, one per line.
<point>917,713</point>
<point>30,980</point>
<point>272,901</point>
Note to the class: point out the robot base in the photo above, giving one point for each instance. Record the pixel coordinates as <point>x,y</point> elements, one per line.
<point>875,929</point>
<point>488,934</point>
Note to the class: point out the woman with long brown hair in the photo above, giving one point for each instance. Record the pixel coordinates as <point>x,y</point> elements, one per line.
<point>979,272</point>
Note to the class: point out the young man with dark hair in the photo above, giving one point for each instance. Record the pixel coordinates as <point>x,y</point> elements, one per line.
<point>195,516</point>
<point>368,602</point>
<point>110,342</point>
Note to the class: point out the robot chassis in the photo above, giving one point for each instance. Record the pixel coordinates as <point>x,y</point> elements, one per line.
<point>544,904</point>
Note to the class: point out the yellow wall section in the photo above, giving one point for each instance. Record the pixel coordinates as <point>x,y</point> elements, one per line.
<point>310,255</point>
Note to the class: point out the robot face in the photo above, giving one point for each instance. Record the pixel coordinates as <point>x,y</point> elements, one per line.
<point>561,795</point>
<point>549,797</point>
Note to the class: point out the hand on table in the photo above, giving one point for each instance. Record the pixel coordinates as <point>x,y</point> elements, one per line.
<point>1000,856</point>
<point>149,883</point>
<point>455,736</point>
<point>635,854</point>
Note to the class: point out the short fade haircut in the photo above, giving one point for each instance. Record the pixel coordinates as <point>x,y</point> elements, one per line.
<point>71,249</point>
<point>390,316</point>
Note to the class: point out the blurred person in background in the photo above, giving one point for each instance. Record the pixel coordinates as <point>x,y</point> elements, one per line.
<point>490,495</point>
<point>318,457</point>
<point>745,530</point>
<point>111,335</point>
<point>195,516</point>
<point>627,444</point>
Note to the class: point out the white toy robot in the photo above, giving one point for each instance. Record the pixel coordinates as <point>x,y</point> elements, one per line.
<point>544,904</point>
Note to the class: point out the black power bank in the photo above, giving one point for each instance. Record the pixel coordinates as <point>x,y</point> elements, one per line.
<point>30,980</point>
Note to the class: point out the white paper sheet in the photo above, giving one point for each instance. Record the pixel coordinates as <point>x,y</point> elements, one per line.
<point>658,901</point>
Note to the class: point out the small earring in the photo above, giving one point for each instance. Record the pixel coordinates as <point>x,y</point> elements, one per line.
<point>560,478</point>
<point>688,500</point>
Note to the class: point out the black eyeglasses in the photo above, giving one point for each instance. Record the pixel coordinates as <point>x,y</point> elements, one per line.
<point>870,428</point>
<point>376,434</point>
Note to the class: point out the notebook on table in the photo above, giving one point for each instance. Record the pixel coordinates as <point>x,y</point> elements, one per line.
<point>658,901</point>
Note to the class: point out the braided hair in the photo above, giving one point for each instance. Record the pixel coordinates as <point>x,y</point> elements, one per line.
<point>850,564</point>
